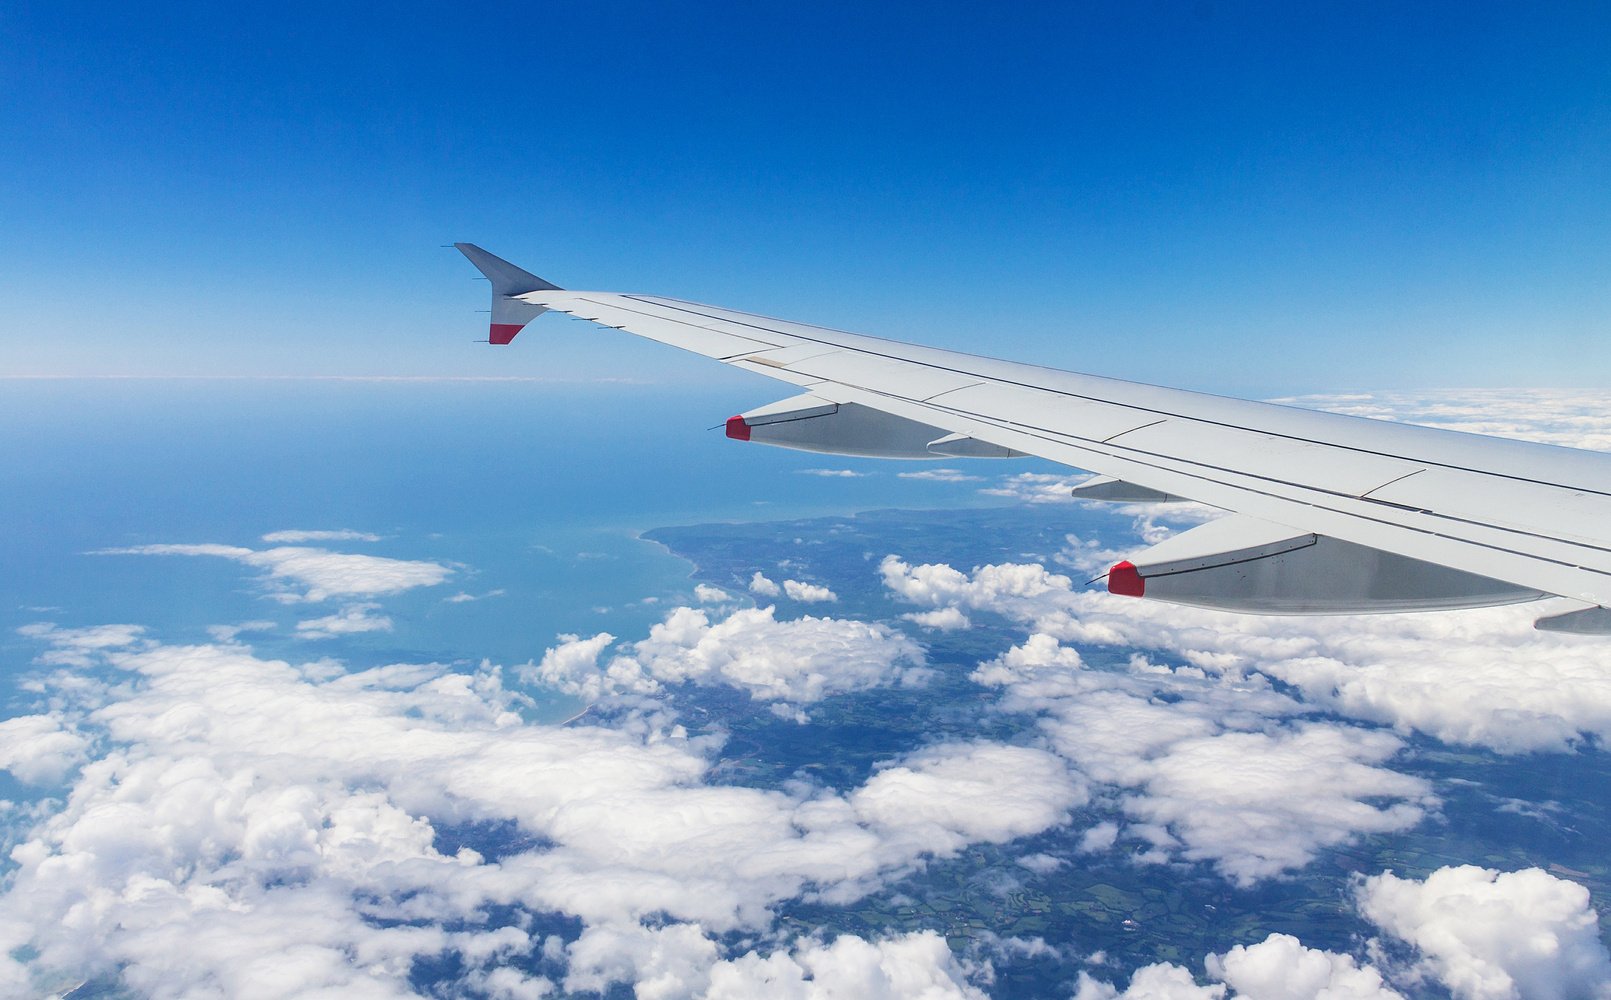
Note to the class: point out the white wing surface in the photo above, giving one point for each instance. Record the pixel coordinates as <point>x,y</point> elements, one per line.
<point>1379,516</point>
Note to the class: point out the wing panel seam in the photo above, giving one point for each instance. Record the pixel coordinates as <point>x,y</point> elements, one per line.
<point>1135,406</point>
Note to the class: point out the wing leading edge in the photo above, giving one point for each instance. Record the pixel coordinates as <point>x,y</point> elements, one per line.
<point>1399,517</point>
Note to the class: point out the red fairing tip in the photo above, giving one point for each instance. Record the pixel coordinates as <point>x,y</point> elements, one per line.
<point>1125,581</point>
<point>503,333</point>
<point>737,429</point>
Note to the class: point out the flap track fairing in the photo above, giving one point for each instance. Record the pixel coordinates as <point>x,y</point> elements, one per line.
<point>1239,563</point>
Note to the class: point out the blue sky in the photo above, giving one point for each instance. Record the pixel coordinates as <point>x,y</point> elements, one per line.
<point>1245,198</point>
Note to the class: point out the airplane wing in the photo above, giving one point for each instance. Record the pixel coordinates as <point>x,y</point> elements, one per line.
<point>1330,513</point>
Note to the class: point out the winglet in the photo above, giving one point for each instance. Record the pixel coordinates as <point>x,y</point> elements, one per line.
<point>509,314</point>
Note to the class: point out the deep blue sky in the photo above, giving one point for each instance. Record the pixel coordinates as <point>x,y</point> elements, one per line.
<point>1254,198</point>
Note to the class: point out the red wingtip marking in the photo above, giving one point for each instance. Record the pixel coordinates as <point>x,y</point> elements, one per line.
<point>1125,581</point>
<point>503,333</point>
<point>737,429</point>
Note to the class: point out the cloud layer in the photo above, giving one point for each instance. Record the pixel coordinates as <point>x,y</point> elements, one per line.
<point>1520,690</point>
<point>254,827</point>
<point>1210,767</point>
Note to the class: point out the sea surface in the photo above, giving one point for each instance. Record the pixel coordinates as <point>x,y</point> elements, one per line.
<point>536,493</point>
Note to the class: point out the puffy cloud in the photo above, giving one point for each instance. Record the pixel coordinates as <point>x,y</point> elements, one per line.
<point>297,537</point>
<point>954,794</point>
<point>1038,652</point>
<point>1099,838</point>
<point>808,593</point>
<point>679,962</point>
<point>704,593</point>
<point>573,667</point>
<point>1281,968</point>
<point>796,590</point>
<point>1278,968</point>
<point>323,573</point>
<point>506,983</point>
<point>915,966</point>
<point>800,660</point>
<point>943,619</point>
<point>1490,935</point>
<point>1257,804</point>
<point>932,583</point>
<point>349,620</point>
<point>40,749</point>
<point>803,659</point>
<point>662,963</point>
<point>1018,590</point>
<point>1160,981</point>
<point>188,873</point>
<point>1254,804</point>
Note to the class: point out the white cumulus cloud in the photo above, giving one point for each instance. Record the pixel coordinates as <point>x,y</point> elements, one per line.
<point>916,966</point>
<point>1281,968</point>
<point>40,749</point>
<point>808,593</point>
<point>1278,968</point>
<point>1491,935</point>
<point>1257,804</point>
<point>800,660</point>
<point>1159,981</point>
<point>952,795</point>
<point>943,619</point>
<point>704,593</point>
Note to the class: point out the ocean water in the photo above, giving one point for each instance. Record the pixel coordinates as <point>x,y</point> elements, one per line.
<point>534,492</point>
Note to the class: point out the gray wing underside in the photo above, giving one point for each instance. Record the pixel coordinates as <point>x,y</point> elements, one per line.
<point>1533,515</point>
